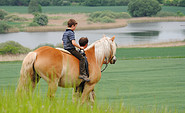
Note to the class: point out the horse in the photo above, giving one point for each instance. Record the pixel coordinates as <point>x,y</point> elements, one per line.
<point>59,68</point>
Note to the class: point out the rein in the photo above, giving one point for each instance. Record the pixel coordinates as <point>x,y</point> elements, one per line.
<point>105,65</point>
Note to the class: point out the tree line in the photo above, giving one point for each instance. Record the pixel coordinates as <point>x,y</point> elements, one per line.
<point>85,2</point>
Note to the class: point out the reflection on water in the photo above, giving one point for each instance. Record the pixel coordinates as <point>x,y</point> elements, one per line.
<point>136,33</point>
<point>143,33</point>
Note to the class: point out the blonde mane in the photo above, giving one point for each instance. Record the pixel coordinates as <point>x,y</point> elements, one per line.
<point>103,48</point>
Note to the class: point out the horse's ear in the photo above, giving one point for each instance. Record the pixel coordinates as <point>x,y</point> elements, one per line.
<point>112,38</point>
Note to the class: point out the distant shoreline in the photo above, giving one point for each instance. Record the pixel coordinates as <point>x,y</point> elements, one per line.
<point>56,22</point>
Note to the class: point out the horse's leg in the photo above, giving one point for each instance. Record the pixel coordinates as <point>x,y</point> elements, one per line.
<point>52,87</point>
<point>76,94</point>
<point>34,80</point>
<point>92,96</point>
<point>87,89</point>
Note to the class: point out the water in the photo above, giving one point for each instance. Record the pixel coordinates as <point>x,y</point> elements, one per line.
<point>136,33</point>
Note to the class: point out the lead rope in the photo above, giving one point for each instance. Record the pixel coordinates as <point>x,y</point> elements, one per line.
<point>105,65</point>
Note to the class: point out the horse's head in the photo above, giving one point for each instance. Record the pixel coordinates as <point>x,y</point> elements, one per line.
<point>111,58</point>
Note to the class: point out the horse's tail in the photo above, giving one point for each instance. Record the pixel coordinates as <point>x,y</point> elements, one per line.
<point>26,73</point>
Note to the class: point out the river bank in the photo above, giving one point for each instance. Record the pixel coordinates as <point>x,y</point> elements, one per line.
<point>20,57</point>
<point>57,22</point>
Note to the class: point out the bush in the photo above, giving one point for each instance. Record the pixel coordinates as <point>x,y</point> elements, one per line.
<point>12,47</point>
<point>34,6</point>
<point>47,44</point>
<point>165,14</point>
<point>59,45</point>
<point>107,16</point>
<point>3,13</point>
<point>180,14</point>
<point>142,8</point>
<point>12,18</point>
<point>65,23</point>
<point>34,24</point>
<point>40,19</point>
<point>4,27</point>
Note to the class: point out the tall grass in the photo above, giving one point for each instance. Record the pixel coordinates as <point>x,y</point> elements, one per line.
<point>36,103</point>
<point>11,103</point>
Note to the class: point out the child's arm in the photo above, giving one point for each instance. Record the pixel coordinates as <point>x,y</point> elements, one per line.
<point>76,45</point>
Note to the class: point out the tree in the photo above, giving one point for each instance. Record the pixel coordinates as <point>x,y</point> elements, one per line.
<point>34,6</point>
<point>44,2</point>
<point>160,1</point>
<point>92,2</point>
<point>40,19</point>
<point>141,8</point>
<point>182,3</point>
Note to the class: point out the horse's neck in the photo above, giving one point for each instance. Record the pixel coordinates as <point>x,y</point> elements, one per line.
<point>91,56</point>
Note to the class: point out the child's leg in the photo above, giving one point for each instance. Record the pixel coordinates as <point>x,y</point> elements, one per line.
<point>82,62</point>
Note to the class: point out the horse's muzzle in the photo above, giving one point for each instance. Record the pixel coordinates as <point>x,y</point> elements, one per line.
<point>113,61</point>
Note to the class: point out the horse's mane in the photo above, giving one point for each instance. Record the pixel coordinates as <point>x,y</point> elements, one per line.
<point>102,48</point>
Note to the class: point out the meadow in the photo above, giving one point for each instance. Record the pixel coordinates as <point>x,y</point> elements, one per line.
<point>82,9</point>
<point>142,80</point>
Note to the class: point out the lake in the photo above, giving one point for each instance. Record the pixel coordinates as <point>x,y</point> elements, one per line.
<point>133,34</point>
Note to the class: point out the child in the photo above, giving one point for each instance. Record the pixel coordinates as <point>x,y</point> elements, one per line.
<point>83,42</point>
<point>70,44</point>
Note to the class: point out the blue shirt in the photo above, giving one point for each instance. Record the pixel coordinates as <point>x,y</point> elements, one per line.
<point>67,38</point>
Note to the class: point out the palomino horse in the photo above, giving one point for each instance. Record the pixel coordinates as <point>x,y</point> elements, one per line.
<point>59,68</point>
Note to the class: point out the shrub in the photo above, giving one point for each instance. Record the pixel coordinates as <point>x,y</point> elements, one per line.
<point>47,44</point>
<point>180,14</point>
<point>12,18</point>
<point>142,8</point>
<point>4,27</point>
<point>34,6</point>
<point>107,16</point>
<point>3,13</point>
<point>64,23</point>
<point>12,47</point>
<point>59,45</point>
<point>165,14</point>
<point>34,24</point>
<point>40,19</point>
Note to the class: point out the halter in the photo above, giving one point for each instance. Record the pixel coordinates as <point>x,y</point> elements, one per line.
<point>106,64</point>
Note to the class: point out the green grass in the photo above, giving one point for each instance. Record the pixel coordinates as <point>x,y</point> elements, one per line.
<point>173,9</point>
<point>66,9</point>
<point>149,53</point>
<point>82,9</point>
<point>144,82</point>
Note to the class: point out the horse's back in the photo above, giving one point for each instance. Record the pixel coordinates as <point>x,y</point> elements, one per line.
<point>49,60</point>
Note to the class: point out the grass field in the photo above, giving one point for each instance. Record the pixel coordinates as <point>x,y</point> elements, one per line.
<point>142,80</point>
<point>81,9</point>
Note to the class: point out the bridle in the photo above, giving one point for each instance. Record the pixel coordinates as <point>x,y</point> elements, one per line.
<point>107,62</point>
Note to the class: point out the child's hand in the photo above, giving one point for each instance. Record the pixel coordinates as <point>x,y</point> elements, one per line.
<point>81,47</point>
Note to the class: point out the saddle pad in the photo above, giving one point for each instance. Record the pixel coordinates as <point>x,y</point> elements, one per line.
<point>63,50</point>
